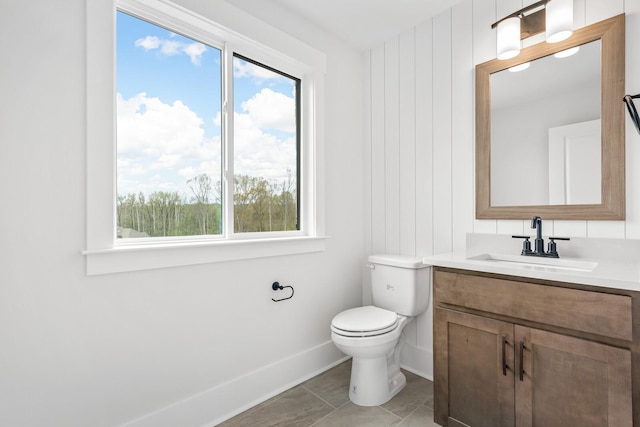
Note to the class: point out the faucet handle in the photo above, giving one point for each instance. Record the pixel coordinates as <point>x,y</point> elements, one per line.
<point>526,244</point>
<point>552,249</point>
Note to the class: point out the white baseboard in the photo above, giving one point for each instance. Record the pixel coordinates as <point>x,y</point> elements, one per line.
<point>417,360</point>
<point>224,401</point>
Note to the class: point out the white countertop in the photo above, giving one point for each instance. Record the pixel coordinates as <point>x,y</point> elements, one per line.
<point>618,261</point>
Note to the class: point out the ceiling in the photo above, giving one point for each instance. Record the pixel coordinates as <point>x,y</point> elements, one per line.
<point>361,23</point>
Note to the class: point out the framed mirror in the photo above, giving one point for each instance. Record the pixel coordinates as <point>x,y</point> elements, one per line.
<point>550,139</point>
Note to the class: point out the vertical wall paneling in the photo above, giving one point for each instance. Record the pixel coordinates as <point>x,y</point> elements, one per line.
<point>570,228</point>
<point>429,91</point>
<point>442,161</point>
<point>421,128</point>
<point>484,49</point>
<point>505,226</point>
<point>378,202</point>
<point>392,145</point>
<point>407,82</point>
<point>462,139</point>
<point>368,176</point>
<point>407,151</point>
<point>424,138</point>
<point>632,82</point>
<point>612,229</point>
<point>424,162</point>
<point>484,38</point>
<point>503,8</point>
<point>579,13</point>
<point>597,10</point>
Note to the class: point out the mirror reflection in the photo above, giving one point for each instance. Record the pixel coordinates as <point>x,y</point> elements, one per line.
<point>545,131</point>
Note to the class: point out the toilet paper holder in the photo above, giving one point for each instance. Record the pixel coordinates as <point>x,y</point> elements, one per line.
<point>276,286</point>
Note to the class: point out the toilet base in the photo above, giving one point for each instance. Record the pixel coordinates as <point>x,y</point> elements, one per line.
<point>368,387</point>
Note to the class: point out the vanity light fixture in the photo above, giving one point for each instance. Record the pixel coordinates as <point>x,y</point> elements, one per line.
<point>555,17</point>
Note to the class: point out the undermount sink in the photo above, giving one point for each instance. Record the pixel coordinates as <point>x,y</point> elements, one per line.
<point>533,262</point>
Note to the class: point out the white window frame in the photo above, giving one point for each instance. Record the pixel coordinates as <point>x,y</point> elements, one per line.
<point>233,30</point>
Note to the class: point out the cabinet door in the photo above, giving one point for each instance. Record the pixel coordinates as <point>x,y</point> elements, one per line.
<point>569,381</point>
<point>474,382</point>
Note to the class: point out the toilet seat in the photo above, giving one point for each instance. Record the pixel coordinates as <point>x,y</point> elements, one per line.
<point>365,321</point>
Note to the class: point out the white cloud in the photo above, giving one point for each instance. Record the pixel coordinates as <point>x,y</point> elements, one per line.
<point>148,43</point>
<point>195,51</point>
<point>152,127</point>
<point>173,47</point>
<point>261,154</point>
<point>272,110</point>
<point>161,146</point>
<point>188,172</point>
<point>170,47</point>
<point>167,140</point>
<point>217,120</point>
<point>243,68</point>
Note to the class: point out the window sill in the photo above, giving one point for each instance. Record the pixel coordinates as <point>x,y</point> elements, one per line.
<point>146,257</point>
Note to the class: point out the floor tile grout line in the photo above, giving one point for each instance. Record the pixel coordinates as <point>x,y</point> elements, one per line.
<point>317,421</point>
<point>262,405</point>
<point>325,392</point>
<point>319,397</point>
<point>390,412</point>
<point>410,413</point>
<point>335,409</point>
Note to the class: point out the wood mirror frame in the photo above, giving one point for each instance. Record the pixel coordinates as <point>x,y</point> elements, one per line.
<point>611,32</point>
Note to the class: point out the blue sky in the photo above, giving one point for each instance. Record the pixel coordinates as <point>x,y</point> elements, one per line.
<point>168,112</point>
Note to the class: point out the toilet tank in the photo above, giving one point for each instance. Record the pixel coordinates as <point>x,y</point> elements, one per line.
<point>400,283</point>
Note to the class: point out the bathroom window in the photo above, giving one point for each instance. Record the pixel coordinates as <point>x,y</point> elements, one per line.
<point>202,143</point>
<point>266,135</point>
<point>171,138</point>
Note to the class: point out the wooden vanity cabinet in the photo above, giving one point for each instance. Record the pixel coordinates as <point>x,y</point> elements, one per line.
<point>511,352</point>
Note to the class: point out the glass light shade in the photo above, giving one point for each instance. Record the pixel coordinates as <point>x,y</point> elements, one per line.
<point>559,20</point>
<point>508,33</point>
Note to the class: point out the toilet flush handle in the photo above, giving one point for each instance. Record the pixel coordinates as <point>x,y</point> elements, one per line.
<point>371,266</point>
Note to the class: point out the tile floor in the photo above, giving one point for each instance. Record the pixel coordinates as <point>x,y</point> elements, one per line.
<point>323,401</point>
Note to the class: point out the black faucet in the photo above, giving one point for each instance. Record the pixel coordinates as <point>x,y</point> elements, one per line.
<point>536,222</point>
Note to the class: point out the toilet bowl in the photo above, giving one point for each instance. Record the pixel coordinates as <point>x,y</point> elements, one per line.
<point>375,349</point>
<point>372,335</point>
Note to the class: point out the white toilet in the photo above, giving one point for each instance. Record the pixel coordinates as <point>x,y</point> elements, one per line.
<point>371,335</point>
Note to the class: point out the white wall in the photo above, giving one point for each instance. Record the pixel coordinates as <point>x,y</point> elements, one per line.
<point>194,343</point>
<point>419,137</point>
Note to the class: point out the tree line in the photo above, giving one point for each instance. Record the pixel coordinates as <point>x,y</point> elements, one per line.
<point>259,205</point>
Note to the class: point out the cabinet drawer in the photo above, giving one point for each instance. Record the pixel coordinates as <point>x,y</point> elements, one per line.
<point>592,312</point>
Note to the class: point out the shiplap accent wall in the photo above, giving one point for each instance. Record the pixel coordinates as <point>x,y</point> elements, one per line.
<point>419,137</point>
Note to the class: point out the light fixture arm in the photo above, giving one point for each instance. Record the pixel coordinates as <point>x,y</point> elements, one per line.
<point>520,13</point>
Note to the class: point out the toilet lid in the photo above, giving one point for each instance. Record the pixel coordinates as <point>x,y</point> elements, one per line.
<point>367,320</point>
